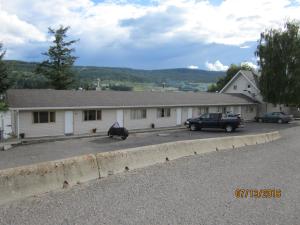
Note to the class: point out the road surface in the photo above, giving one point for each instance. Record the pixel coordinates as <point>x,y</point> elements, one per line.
<point>192,190</point>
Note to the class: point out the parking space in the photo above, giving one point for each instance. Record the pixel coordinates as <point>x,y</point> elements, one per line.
<point>28,154</point>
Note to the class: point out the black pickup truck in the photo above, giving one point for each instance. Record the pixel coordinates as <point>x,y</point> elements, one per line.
<point>215,120</point>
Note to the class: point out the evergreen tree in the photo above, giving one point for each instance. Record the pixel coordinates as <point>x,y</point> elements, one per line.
<point>58,67</point>
<point>4,80</point>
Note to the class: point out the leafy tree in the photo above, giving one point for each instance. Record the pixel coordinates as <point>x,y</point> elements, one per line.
<point>58,67</point>
<point>279,58</point>
<point>120,88</point>
<point>4,80</point>
<point>231,71</point>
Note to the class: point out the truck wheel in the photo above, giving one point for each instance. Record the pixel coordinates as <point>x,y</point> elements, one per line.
<point>193,127</point>
<point>260,120</point>
<point>280,121</point>
<point>229,128</point>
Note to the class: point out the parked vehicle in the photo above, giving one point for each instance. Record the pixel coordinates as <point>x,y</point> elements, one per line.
<point>116,130</point>
<point>215,120</point>
<point>274,117</point>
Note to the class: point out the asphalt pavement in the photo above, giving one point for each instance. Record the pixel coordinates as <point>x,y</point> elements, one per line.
<point>193,190</point>
<point>35,153</point>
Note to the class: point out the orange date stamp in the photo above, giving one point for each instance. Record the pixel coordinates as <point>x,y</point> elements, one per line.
<point>257,193</point>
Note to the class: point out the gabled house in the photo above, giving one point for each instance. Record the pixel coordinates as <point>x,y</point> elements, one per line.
<point>246,83</point>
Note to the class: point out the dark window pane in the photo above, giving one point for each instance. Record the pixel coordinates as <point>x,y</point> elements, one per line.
<point>168,112</point>
<point>44,117</point>
<point>52,117</point>
<point>99,116</point>
<point>35,117</point>
<point>86,113</point>
<point>92,115</point>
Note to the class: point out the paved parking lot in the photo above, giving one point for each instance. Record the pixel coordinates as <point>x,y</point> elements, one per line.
<point>28,154</point>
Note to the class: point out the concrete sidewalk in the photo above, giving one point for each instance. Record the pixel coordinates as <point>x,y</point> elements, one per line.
<point>91,135</point>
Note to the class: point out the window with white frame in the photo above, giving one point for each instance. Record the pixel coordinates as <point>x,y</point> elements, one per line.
<point>44,117</point>
<point>163,112</point>
<point>138,114</point>
<point>92,115</point>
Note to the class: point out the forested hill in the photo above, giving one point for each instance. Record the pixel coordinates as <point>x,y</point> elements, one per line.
<point>125,74</point>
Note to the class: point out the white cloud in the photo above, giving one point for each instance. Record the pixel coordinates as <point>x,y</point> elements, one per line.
<point>251,64</point>
<point>216,66</point>
<point>100,26</point>
<point>245,46</point>
<point>193,67</point>
<point>15,31</point>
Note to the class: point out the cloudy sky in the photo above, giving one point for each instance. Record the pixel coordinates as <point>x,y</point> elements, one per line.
<point>148,34</point>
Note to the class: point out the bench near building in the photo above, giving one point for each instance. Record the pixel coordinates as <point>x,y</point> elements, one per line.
<point>38,113</point>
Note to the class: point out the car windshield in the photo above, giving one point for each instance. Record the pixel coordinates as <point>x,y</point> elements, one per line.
<point>204,116</point>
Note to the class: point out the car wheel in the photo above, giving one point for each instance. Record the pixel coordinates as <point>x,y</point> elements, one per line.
<point>193,127</point>
<point>260,120</point>
<point>123,137</point>
<point>229,128</point>
<point>280,121</point>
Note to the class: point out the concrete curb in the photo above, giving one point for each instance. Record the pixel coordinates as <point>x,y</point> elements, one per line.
<point>134,158</point>
<point>20,182</point>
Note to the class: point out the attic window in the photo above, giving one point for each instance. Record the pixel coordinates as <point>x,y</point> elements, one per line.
<point>235,87</point>
<point>249,85</point>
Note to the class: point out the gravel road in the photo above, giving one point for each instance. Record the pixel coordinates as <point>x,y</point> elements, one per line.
<point>193,190</point>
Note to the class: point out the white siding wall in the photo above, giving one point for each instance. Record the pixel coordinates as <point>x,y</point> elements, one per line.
<point>242,84</point>
<point>41,129</point>
<point>84,127</point>
<point>247,114</point>
<point>109,116</point>
<point>151,118</point>
<point>6,124</point>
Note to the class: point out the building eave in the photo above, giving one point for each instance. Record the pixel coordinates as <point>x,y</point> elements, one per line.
<point>126,107</point>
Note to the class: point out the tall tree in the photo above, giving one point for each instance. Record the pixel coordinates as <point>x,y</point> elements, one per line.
<point>58,67</point>
<point>279,58</point>
<point>231,71</point>
<point>4,80</point>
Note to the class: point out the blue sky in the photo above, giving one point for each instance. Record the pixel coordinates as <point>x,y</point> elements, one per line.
<point>146,34</point>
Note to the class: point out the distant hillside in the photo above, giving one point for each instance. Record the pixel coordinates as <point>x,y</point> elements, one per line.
<point>131,75</point>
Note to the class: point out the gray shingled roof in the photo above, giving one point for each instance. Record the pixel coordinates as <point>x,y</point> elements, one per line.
<point>44,98</point>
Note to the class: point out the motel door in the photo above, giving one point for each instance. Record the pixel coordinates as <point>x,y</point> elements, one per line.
<point>120,117</point>
<point>69,129</point>
<point>178,116</point>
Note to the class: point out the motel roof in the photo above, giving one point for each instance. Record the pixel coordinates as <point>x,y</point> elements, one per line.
<point>26,99</point>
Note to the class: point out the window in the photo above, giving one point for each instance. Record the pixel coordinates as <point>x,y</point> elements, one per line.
<point>164,112</point>
<point>44,117</point>
<point>235,87</point>
<point>137,114</point>
<point>91,115</point>
<point>202,110</point>
<point>249,86</point>
<point>249,109</point>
